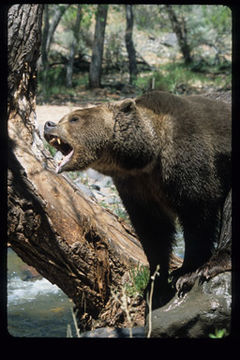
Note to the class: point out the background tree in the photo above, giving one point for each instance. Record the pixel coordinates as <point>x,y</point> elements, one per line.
<point>179,27</point>
<point>73,47</point>
<point>208,38</point>
<point>49,27</point>
<point>129,44</point>
<point>97,50</point>
<point>57,13</point>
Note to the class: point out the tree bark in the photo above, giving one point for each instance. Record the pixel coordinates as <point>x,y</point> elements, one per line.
<point>98,45</point>
<point>129,44</point>
<point>69,239</point>
<point>24,36</point>
<point>179,27</point>
<point>52,226</point>
<point>73,47</point>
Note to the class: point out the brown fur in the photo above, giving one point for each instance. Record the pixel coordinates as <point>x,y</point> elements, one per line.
<point>168,156</point>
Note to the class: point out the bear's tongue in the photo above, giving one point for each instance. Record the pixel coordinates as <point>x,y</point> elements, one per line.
<point>63,162</point>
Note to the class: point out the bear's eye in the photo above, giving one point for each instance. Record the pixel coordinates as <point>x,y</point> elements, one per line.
<point>74,119</point>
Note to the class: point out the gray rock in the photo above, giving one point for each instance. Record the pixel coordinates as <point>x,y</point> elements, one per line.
<point>170,39</point>
<point>137,332</point>
<point>84,188</point>
<point>105,182</point>
<point>94,175</point>
<point>198,313</point>
<point>58,156</point>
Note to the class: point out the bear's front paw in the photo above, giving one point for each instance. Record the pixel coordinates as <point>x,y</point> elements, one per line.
<point>183,281</point>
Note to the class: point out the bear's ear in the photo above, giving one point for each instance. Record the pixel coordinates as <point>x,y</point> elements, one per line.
<point>127,106</point>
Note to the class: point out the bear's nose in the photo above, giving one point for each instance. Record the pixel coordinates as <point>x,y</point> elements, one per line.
<point>49,125</point>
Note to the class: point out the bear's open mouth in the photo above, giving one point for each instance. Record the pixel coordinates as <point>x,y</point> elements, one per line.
<point>59,144</point>
<point>62,146</point>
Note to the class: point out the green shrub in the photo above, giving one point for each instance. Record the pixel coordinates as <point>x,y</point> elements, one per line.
<point>218,334</point>
<point>139,278</point>
<point>172,76</point>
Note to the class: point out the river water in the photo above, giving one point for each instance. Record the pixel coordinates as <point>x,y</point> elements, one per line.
<point>36,308</point>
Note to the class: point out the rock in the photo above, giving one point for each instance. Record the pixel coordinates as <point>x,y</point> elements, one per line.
<point>170,39</point>
<point>58,156</point>
<point>137,332</point>
<point>94,175</point>
<point>105,182</point>
<point>29,273</point>
<point>97,179</point>
<point>205,308</point>
<point>84,188</point>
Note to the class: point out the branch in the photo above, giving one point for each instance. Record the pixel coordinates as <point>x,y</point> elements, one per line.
<point>69,239</point>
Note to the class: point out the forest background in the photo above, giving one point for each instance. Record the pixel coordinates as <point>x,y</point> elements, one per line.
<point>92,54</point>
<point>178,48</point>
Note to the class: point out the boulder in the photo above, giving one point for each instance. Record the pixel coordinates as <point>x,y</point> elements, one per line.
<point>137,332</point>
<point>203,310</point>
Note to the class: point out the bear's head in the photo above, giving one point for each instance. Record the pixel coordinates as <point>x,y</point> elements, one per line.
<point>81,136</point>
<point>102,137</point>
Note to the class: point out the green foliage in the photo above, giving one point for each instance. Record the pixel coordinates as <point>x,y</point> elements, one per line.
<point>50,148</point>
<point>55,78</point>
<point>139,278</point>
<point>209,37</point>
<point>71,13</point>
<point>151,18</point>
<point>56,82</point>
<point>173,76</point>
<point>217,16</point>
<point>113,52</point>
<point>218,334</point>
<point>206,24</point>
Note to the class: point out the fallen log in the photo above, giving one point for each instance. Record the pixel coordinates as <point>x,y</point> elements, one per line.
<point>67,237</point>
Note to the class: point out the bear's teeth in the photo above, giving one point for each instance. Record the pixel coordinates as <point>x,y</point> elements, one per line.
<point>52,141</point>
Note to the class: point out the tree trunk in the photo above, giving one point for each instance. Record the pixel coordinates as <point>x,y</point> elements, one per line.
<point>98,44</point>
<point>129,44</point>
<point>221,260</point>
<point>44,55</point>
<point>73,47</point>
<point>24,36</point>
<point>52,226</point>
<point>47,36</point>
<point>179,27</point>
<point>59,11</point>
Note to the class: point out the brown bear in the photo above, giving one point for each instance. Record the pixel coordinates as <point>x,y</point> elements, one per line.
<point>169,156</point>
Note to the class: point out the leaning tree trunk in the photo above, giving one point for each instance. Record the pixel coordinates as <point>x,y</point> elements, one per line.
<point>129,44</point>
<point>98,44</point>
<point>52,226</point>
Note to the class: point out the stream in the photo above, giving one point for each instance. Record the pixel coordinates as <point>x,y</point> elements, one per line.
<point>35,307</point>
